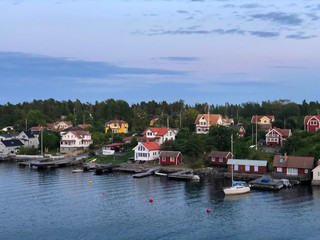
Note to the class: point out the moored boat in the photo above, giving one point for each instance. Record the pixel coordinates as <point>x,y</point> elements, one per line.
<point>77,170</point>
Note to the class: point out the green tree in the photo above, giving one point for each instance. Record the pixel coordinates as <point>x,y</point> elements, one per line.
<point>189,118</point>
<point>170,145</point>
<point>220,137</point>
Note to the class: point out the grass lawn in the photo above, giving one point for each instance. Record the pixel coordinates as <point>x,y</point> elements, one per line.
<point>113,159</point>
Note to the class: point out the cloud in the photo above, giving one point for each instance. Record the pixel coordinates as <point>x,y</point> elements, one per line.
<point>191,31</point>
<point>313,16</point>
<point>26,66</point>
<point>264,34</point>
<point>280,18</point>
<point>251,5</point>
<point>180,59</point>
<point>182,12</point>
<point>300,36</point>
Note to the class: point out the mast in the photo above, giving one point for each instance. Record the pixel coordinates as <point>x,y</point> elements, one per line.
<point>256,133</point>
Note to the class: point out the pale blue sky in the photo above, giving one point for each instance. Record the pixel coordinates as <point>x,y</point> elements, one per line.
<point>213,51</point>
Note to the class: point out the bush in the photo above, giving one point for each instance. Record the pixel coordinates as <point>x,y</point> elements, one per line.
<point>92,154</point>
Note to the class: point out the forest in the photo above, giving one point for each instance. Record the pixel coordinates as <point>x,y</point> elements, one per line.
<point>177,114</point>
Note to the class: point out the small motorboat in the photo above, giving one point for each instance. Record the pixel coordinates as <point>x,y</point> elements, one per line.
<point>157,173</point>
<point>77,170</point>
<point>195,177</point>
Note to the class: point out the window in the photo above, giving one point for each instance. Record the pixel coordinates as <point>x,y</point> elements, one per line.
<point>313,122</point>
<point>279,169</point>
<point>318,174</point>
<point>272,133</point>
<point>256,168</point>
<point>213,159</point>
<point>281,160</point>
<point>306,171</point>
<point>236,167</point>
<point>292,171</point>
<point>247,168</point>
<point>171,159</point>
<point>163,159</point>
<point>220,159</point>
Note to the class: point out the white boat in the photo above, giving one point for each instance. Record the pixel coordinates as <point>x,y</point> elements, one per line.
<point>77,170</point>
<point>237,187</point>
<point>195,177</point>
<point>160,174</point>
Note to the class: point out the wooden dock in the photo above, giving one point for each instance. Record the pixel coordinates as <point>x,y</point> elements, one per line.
<point>186,174</point>
<point>271,185</point>
<point>147,173</point>
<point>51,163</point>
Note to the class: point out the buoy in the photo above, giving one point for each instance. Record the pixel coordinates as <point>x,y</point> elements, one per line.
<point>208,210</point>
<point>90,182</point>
<point>150,200</point>
<point>103,193</point>
<point>33,176</point>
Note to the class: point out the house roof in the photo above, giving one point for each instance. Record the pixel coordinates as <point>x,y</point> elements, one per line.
<point>78,134</point>
<point>257,118</point>
<point>72,128</point>
<point>151,145</point>
<point>29,134</point>
<point>120,122</point>
<point>283,132</point>
<point>317,168</point>
<point>293,162</point>
<point>158,131</point>
<point>213,118</point>
<point>9,135</point>
<point>247,162</point>
<point>114,144</point>
<point>12,143</point>
<point>84,125</point>
<point>219,154</point>
<point>237,127</point>
<point>307,118</point>
<point>169,154</point>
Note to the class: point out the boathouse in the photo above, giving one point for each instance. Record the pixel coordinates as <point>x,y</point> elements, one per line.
<point>293,166</point>
<point>112,148</point>
<point>170,157</point>
<point>219,158</point>
<point>247,166</point>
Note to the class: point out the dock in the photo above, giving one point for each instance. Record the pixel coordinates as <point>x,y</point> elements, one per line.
<point>271,185</point>
<point>147,173</point>
<point>186,174</point>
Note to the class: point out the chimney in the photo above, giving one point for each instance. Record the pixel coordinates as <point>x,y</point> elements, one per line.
<point>147,140</point>
<point>285,157</point>
<point>318,163</point>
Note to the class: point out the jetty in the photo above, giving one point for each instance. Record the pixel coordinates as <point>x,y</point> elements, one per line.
<point>186,174</point>
<point>266,184</point>
<point>99,169</point>
<point>147,173</point>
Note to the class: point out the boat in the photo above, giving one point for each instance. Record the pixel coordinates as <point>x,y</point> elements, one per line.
<point>195,177</point>
<point>77,170</point>
<point>157,173</point>
<point>238,187</point>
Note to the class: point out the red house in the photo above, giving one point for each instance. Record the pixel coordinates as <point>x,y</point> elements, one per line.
<point>276,136</point>
<point>220,158</point>
<point>247,166</point>
<point>292,165</point>
<point>240,130</point>
<point>170,157</point>
<point>312,123</point>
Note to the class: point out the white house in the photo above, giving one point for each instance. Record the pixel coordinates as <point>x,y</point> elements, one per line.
<point>8,136</point>
<point>160,134</point>
<point>10,146</point>
<point>28,139</point>
<point>146,151</point>
<point>204,121</point>
<point>74,141</point>
<point>316,175</point>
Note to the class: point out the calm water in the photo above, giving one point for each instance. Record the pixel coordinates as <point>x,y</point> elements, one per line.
<point>58,204</point>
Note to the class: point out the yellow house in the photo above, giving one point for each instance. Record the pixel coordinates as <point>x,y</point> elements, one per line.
<point>262,120</point>
<point>117,126</point>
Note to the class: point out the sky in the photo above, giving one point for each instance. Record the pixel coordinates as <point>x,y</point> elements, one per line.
<point>214,51</point>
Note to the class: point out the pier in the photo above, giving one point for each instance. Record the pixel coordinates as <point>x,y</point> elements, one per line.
<point>186,174</point>
<point>147,173</point>
<point>99,169</point>
<point>272,184</point>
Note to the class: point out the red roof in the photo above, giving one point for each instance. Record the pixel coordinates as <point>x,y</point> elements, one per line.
<point>284,132</point>
<point>158,131</point>
<point>114,144</point>
<point>151,145</point>
<point>307,118</point>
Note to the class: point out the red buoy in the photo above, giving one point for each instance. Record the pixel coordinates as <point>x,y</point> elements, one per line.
<point>208,210</point>
<point>103,193</point>
<point>150,200</point>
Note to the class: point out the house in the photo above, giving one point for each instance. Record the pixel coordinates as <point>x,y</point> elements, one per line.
<point>276,136</point>
<point>59,126</point>
<point>152,121</point>
<point>7,129</point>
<point>247,166</point>
<point>73,141</point>
<point>8,136</point>
<point>160,135</point>
<point>265,122</point>
<point>146,151</point>
<point>204,121</point>
<point>112,148</point>
<point>316,175</point>
<point>240,129</point>
<point>116,126</point>
<point>292,165</point>
<point>85,125</point>
<point>10,146</point>
<point>170,157</point>
<point>72,128</point>
<point>312,123</point>
<point>220,158</point>
<point>28,139</point>
<point>139,139</point>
